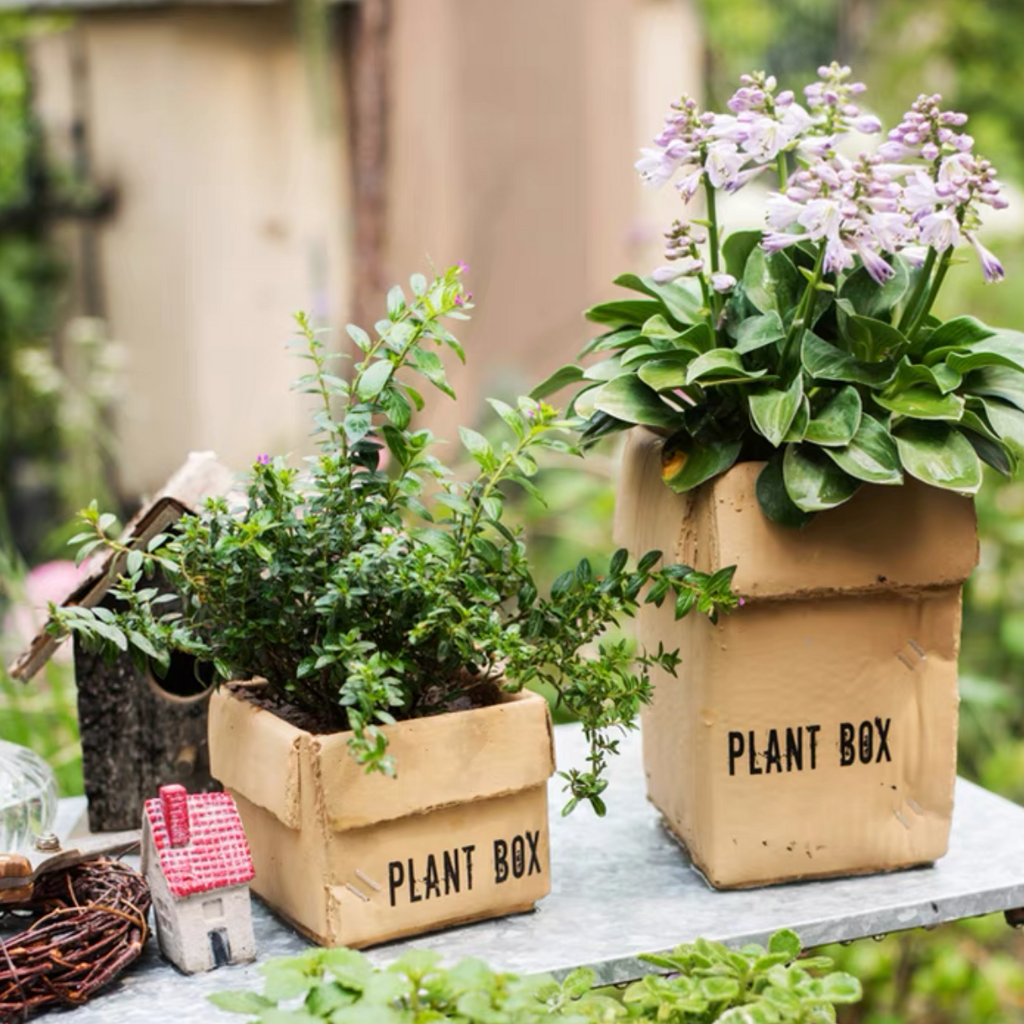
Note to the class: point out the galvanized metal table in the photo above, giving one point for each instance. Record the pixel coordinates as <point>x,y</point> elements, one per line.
<point>622,886</point>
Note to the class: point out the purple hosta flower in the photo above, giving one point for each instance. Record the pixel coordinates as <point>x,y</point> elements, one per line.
<point>927,131</point>
<point>723,282</point>
<point>262,460</point>
<point>853,208</point>
<point>990,265</point>
<point>679,143</point>
<point>682,243</point>
<point>830,102</point>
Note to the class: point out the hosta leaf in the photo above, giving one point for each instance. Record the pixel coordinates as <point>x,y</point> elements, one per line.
<point>870,299</point>
<point>624,312</point>
<point>871,455</point>
<point>772,282</point>
<point>997,382</point>
<point>837,422</point>
<point>737,249</point>
<point>561,378</point>
<point>638,354</point>
<point>827,362</point>
<point>987,443</point>
<point>922,403</point>
<point>813,481</point>
<point>773,411</point>
<point>628,398</point>
<point>1005,348</point>
<point>1008,422</point>
<point>664,374</point>
<point>874,340</point>
<point>699,338</point>
<point>607,369</point>
<point>758,331</point>
<point>680,303</point>
<point>620,339</point>
<point>961,330</point>
<point>719,366</point>
<point>798,428</point>
<point>775,502</point>
<point>690,463</point>
<point>938,454</point>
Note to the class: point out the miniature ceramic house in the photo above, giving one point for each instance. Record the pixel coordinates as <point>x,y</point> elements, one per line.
<point>160,722</point>
<point>196,860</point>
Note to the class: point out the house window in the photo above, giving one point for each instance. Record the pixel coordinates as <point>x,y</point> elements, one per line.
<point>213,909</point>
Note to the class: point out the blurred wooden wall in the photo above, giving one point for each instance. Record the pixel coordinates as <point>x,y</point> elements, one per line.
<point>511,129</point>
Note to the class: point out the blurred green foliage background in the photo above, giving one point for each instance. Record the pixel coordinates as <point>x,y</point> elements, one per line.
<point>52,425</point>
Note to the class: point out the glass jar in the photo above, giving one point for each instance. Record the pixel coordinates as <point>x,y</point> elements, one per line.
<point>28,798</point>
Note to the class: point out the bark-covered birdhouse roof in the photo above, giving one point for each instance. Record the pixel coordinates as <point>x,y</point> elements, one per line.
<point>199,841</point>
<point>202,476</point>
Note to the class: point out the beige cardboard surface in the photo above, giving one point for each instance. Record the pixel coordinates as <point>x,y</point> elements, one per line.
<point>347,874</point>
<point>812,731</point>
<point>884,538</point>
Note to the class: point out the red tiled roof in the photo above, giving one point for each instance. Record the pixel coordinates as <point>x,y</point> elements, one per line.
<point>216,854</point>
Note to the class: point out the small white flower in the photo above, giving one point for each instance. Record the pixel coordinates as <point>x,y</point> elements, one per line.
<point>939,230</point>
<point>723,163</point>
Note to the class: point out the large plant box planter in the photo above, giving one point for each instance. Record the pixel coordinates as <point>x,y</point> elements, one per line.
<point>354,859</point>
<point>811,732</point>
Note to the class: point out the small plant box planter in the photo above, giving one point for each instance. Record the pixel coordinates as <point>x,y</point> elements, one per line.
<point>354,859</point>
<point>811,732</point>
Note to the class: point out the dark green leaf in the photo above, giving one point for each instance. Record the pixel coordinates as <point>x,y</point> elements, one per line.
<point>814,482</point>
<point>837,422</point>
<point>561,378</point>
<point>869,298</point>
<point>737,249</point>
<point>871,455</point>
<point>689,463</point>
<point>758,331</point>
<point>624,313</point>
<point>664,374</point>
<point>720,366</point>
<point>938,454</point>
<point>773,411</point>
<point>631,400</point>
<point>827,362</point>
<point>775,502</point>
<point>997,382</point>
<point>680,303</point>
<point>922,403</point>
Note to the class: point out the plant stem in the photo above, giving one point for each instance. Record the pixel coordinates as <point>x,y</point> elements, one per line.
<point>795,337</point>
<point>933,293</point>
<point>709,194</point>
<point>783,170</point>
<point>713,299</point>
<point>919,289</point>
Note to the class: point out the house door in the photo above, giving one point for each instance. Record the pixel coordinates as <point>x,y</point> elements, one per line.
<point>220,947</point>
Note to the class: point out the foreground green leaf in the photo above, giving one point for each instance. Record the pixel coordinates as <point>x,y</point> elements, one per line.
<point>938,454</point>
<point>815,482</point>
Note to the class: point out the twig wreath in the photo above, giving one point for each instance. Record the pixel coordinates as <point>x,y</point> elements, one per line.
<point>94,925</point>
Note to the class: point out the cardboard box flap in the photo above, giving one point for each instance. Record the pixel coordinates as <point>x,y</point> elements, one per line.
<point>908,537</point>
<point>441,761</point>
<point>257,755</point>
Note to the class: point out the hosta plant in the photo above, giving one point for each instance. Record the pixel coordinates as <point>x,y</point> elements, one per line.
<point>709,984</point>
<point>365,593</point>
<point>811,345</point>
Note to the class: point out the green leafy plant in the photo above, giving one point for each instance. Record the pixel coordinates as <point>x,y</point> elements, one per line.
<point>364,596</point>
<point>811,347</point>
<point>709,984</point>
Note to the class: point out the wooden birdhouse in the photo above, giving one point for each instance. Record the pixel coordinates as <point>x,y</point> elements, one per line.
<point>196,860</point>
<point>139,731</point>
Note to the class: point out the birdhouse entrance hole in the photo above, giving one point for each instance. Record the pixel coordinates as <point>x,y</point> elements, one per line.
<point>186,678</point>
